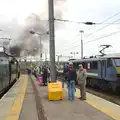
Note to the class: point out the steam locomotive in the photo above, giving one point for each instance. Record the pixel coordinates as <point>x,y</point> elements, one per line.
<point>9,70</point>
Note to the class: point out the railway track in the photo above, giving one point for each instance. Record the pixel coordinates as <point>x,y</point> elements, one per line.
<point>107,96</point>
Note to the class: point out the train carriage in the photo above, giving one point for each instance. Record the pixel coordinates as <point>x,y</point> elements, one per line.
<point>9,70</point>
<point>103,72</point>
<point>4,71</point>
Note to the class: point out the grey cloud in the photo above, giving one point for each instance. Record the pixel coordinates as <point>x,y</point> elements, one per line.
<point>34,22</point>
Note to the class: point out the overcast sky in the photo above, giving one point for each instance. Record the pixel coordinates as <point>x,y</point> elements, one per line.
<point>13,15</point>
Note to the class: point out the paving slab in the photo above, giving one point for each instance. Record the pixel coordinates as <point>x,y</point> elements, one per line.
<point>29,111</point>
<point>68,110</point>
<point>8,99</point>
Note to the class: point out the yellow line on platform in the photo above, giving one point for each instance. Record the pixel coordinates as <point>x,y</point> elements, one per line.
<point>17,105</point>
<point>107,111</point>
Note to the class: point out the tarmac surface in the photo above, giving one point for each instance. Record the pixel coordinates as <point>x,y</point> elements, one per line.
<point>23,103</point>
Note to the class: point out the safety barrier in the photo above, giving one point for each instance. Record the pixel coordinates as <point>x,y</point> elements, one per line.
<point>55,91</point>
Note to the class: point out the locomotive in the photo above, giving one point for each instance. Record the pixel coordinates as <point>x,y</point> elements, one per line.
<point>102,72</point>
<point>9,70</point>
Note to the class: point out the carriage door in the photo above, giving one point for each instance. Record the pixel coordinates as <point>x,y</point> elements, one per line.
<point>103,68</point>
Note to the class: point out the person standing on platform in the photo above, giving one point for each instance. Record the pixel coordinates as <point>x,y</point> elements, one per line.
<point>71,82</point>
<point>45,75</point>
<point>48,69</point>
<point>81,78</point>
<point>65,73</point>
<point>28,71</point>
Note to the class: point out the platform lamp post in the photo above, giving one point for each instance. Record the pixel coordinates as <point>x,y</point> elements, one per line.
<point>74,53</point>
<point>34,50</point>
<point>45,58</point>
<point>26,54</point>
<point>9,44</point>
<point>58,60</point>
<point>52,40</point>
<point>81,31</point>
<point>40,34</point>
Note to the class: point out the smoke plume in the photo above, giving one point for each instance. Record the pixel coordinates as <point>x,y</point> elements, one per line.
<point>15,50</point>
<point>38,24</point>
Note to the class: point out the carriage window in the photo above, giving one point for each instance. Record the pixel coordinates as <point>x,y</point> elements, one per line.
<point>94,65</point>
<point>117,62</point>
<point>88,65</point>
<point>109,63</point>
<point>85,66</point>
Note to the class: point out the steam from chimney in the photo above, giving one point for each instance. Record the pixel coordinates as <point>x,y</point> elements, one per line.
<point>28,41</point>
<point>15,50</point>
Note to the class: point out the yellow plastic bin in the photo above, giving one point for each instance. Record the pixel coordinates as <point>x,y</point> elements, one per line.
<point>55,91</point>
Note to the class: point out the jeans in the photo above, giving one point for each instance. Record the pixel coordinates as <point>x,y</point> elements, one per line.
<point>44,80</point>
<point>71,90</point>
<point>65,77</point>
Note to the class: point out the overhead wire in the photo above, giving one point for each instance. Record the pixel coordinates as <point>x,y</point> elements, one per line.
<point>96,23</point>
<point>103,27</point>
<point>96,26</point>
<point>105,20</point>
<point>103,37</point>
<point>95,39</point>
<point>68,21</point>
<point>92,40</point>
<point>87,23</point>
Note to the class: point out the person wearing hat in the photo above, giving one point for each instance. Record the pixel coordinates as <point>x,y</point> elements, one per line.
<point>71,82</point>
<point>81,79</point>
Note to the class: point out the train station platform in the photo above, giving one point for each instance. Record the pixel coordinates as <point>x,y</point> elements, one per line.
<point>26,100</point>
<point>91,109</point>
<point>11,102</point>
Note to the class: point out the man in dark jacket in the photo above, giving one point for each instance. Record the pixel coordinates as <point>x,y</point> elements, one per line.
<point>71,82</point>
<point>65,72</point>
<point>45,75</point>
